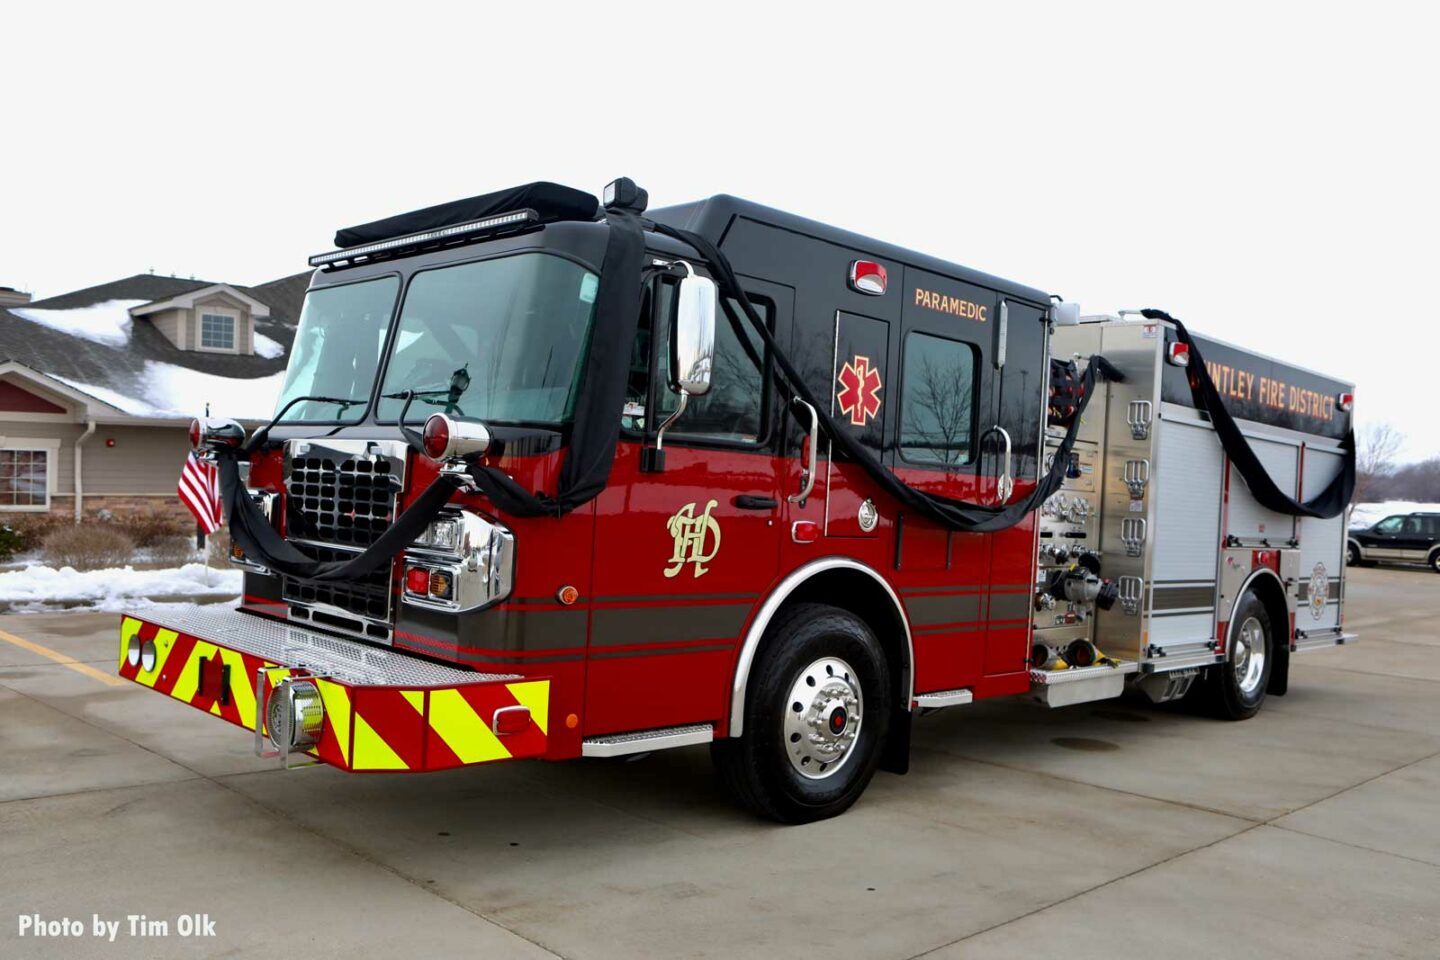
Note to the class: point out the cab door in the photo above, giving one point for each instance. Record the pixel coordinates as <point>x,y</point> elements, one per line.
<point>945,390</point>
<point>682,554</point>
<point>1021,365</point>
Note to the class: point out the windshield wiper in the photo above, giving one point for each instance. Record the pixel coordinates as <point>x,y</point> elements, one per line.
<point>264,432</point>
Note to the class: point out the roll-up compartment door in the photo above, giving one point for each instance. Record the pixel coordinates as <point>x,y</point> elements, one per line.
<point>1249,522</point>
<point>1322,549</point>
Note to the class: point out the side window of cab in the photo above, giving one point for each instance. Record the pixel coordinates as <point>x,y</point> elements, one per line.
<point>734,409</point>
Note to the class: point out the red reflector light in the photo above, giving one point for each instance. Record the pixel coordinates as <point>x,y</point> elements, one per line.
<point>195,434</point>
<point>436,436</point>
<point>867,276</point>
<point>510,720</point>
<point>1178,354</point>
<point>1347,400</point>
<point>805,531</point>
<point>417,580</point>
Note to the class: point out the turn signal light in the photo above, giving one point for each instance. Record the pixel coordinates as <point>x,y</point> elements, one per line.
<point>441,585</point>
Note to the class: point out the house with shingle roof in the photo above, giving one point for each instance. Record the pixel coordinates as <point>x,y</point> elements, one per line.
<point>98,386</point>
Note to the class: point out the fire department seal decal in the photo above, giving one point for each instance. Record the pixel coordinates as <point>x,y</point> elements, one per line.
<point>697,539</point>
<point>1319,591</point>
<point>859,394</point>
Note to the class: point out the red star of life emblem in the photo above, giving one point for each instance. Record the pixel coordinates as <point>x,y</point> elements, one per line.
<point>859,394</point>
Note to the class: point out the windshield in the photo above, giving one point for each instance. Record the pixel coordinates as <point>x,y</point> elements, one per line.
<point>337,349</point>
<point>497,340</point>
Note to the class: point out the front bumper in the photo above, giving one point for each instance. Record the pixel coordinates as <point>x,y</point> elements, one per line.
<point>383,710</point>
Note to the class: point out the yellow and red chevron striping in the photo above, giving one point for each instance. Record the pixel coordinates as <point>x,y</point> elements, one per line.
<point>366,727</point>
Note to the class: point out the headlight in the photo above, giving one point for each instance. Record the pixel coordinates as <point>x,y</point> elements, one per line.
<point>477,571</point>
<point>442,534</point>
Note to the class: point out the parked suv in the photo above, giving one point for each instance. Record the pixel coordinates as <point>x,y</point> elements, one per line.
<point>1404,537</point>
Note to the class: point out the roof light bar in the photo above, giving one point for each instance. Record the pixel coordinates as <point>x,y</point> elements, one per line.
<point>429,236</point>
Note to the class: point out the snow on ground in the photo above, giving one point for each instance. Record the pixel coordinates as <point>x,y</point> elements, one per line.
<point>114,589</point>
<point>107,323</point>
<point>267,348</point>
<point>173,391</point>
<point>1368,514</point>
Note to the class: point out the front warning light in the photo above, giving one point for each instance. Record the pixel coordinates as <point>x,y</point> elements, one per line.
<point>417,581</point>
<point>1347,401</point>
<point>1178,354</point>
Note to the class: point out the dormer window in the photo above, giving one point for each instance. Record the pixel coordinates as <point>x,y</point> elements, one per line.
<point>217,331</point>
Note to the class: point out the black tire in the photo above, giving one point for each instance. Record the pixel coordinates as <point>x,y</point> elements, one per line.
<point>1435,561</point>
<point>1352,555</point>
<point>757,768</point>
<point>1234,689</point>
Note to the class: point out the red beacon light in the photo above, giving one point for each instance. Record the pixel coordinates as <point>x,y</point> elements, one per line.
<point>446,438</point>
<point>1178,354</point>
<point>208,432</point>
<point>1346,402</point>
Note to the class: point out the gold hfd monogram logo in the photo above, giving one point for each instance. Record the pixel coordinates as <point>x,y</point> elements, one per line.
<point>691,534</point>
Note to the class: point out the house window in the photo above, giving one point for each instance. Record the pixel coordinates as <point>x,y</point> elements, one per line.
<point>217,332</point>
<point>24,479</point>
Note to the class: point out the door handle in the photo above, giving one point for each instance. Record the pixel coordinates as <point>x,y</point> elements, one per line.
<point>746,501</point>
<point>807,480</point>
<point>1005,483</point>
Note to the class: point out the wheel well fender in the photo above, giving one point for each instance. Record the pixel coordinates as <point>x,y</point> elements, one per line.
<point>840,582</point>
<point>1269,589</point>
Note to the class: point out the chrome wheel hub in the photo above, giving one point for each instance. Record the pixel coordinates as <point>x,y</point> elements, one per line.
<point>1248,657</point>
<point>822,718</point>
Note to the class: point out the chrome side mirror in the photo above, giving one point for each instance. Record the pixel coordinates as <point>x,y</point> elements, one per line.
<point>692,343</point>
<point>692,354</point>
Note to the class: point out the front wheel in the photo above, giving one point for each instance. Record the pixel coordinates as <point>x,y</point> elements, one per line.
<point>1435,561</point>
<point>817,712</point>
<point>1237,686</point>
<point>1352,555</point>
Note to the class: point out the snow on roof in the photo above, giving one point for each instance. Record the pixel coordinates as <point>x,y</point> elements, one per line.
<point>267,348</point>
<point>107,323</point>
<point>170,391</point>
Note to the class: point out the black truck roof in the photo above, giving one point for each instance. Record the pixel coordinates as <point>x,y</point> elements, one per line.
<point>715,216</point>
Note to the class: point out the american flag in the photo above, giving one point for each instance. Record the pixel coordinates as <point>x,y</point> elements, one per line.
<point>199,490</point>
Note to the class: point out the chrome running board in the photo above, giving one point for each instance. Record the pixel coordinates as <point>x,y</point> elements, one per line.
<point>643,741</point>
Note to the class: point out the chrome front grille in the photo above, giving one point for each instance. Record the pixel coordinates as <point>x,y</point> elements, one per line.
<point>341,497</point>
<point>347,502</point>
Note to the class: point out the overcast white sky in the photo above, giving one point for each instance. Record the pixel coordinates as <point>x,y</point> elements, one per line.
<point>1267,173</point>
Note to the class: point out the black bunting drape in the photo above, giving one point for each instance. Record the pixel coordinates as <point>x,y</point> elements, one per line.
<point>1330,502</point>
<point>946,511</point>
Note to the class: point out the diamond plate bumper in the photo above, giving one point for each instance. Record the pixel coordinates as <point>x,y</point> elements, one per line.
<point>383,710</point>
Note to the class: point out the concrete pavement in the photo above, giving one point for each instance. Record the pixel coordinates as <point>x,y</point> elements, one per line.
<point>1105,830</point>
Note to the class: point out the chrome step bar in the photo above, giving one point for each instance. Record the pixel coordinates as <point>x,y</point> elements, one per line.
<point>1322,641</point>
<point>643,741</point>
<point>945,698</point>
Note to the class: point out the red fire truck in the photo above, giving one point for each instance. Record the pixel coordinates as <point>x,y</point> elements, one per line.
<point>556,478</point>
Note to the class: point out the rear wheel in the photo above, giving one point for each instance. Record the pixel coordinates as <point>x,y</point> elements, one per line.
<point>816,715</point>
<point>1352,555</point>
<point>1435,561</point>
<point>1236,688</point>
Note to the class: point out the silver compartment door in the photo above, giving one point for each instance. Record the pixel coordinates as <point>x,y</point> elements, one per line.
<point>1322,542</point>
<point>1248,521</point>
<point>1186,542</point>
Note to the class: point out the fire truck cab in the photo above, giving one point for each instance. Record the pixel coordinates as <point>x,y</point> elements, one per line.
<point>655,536</point>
